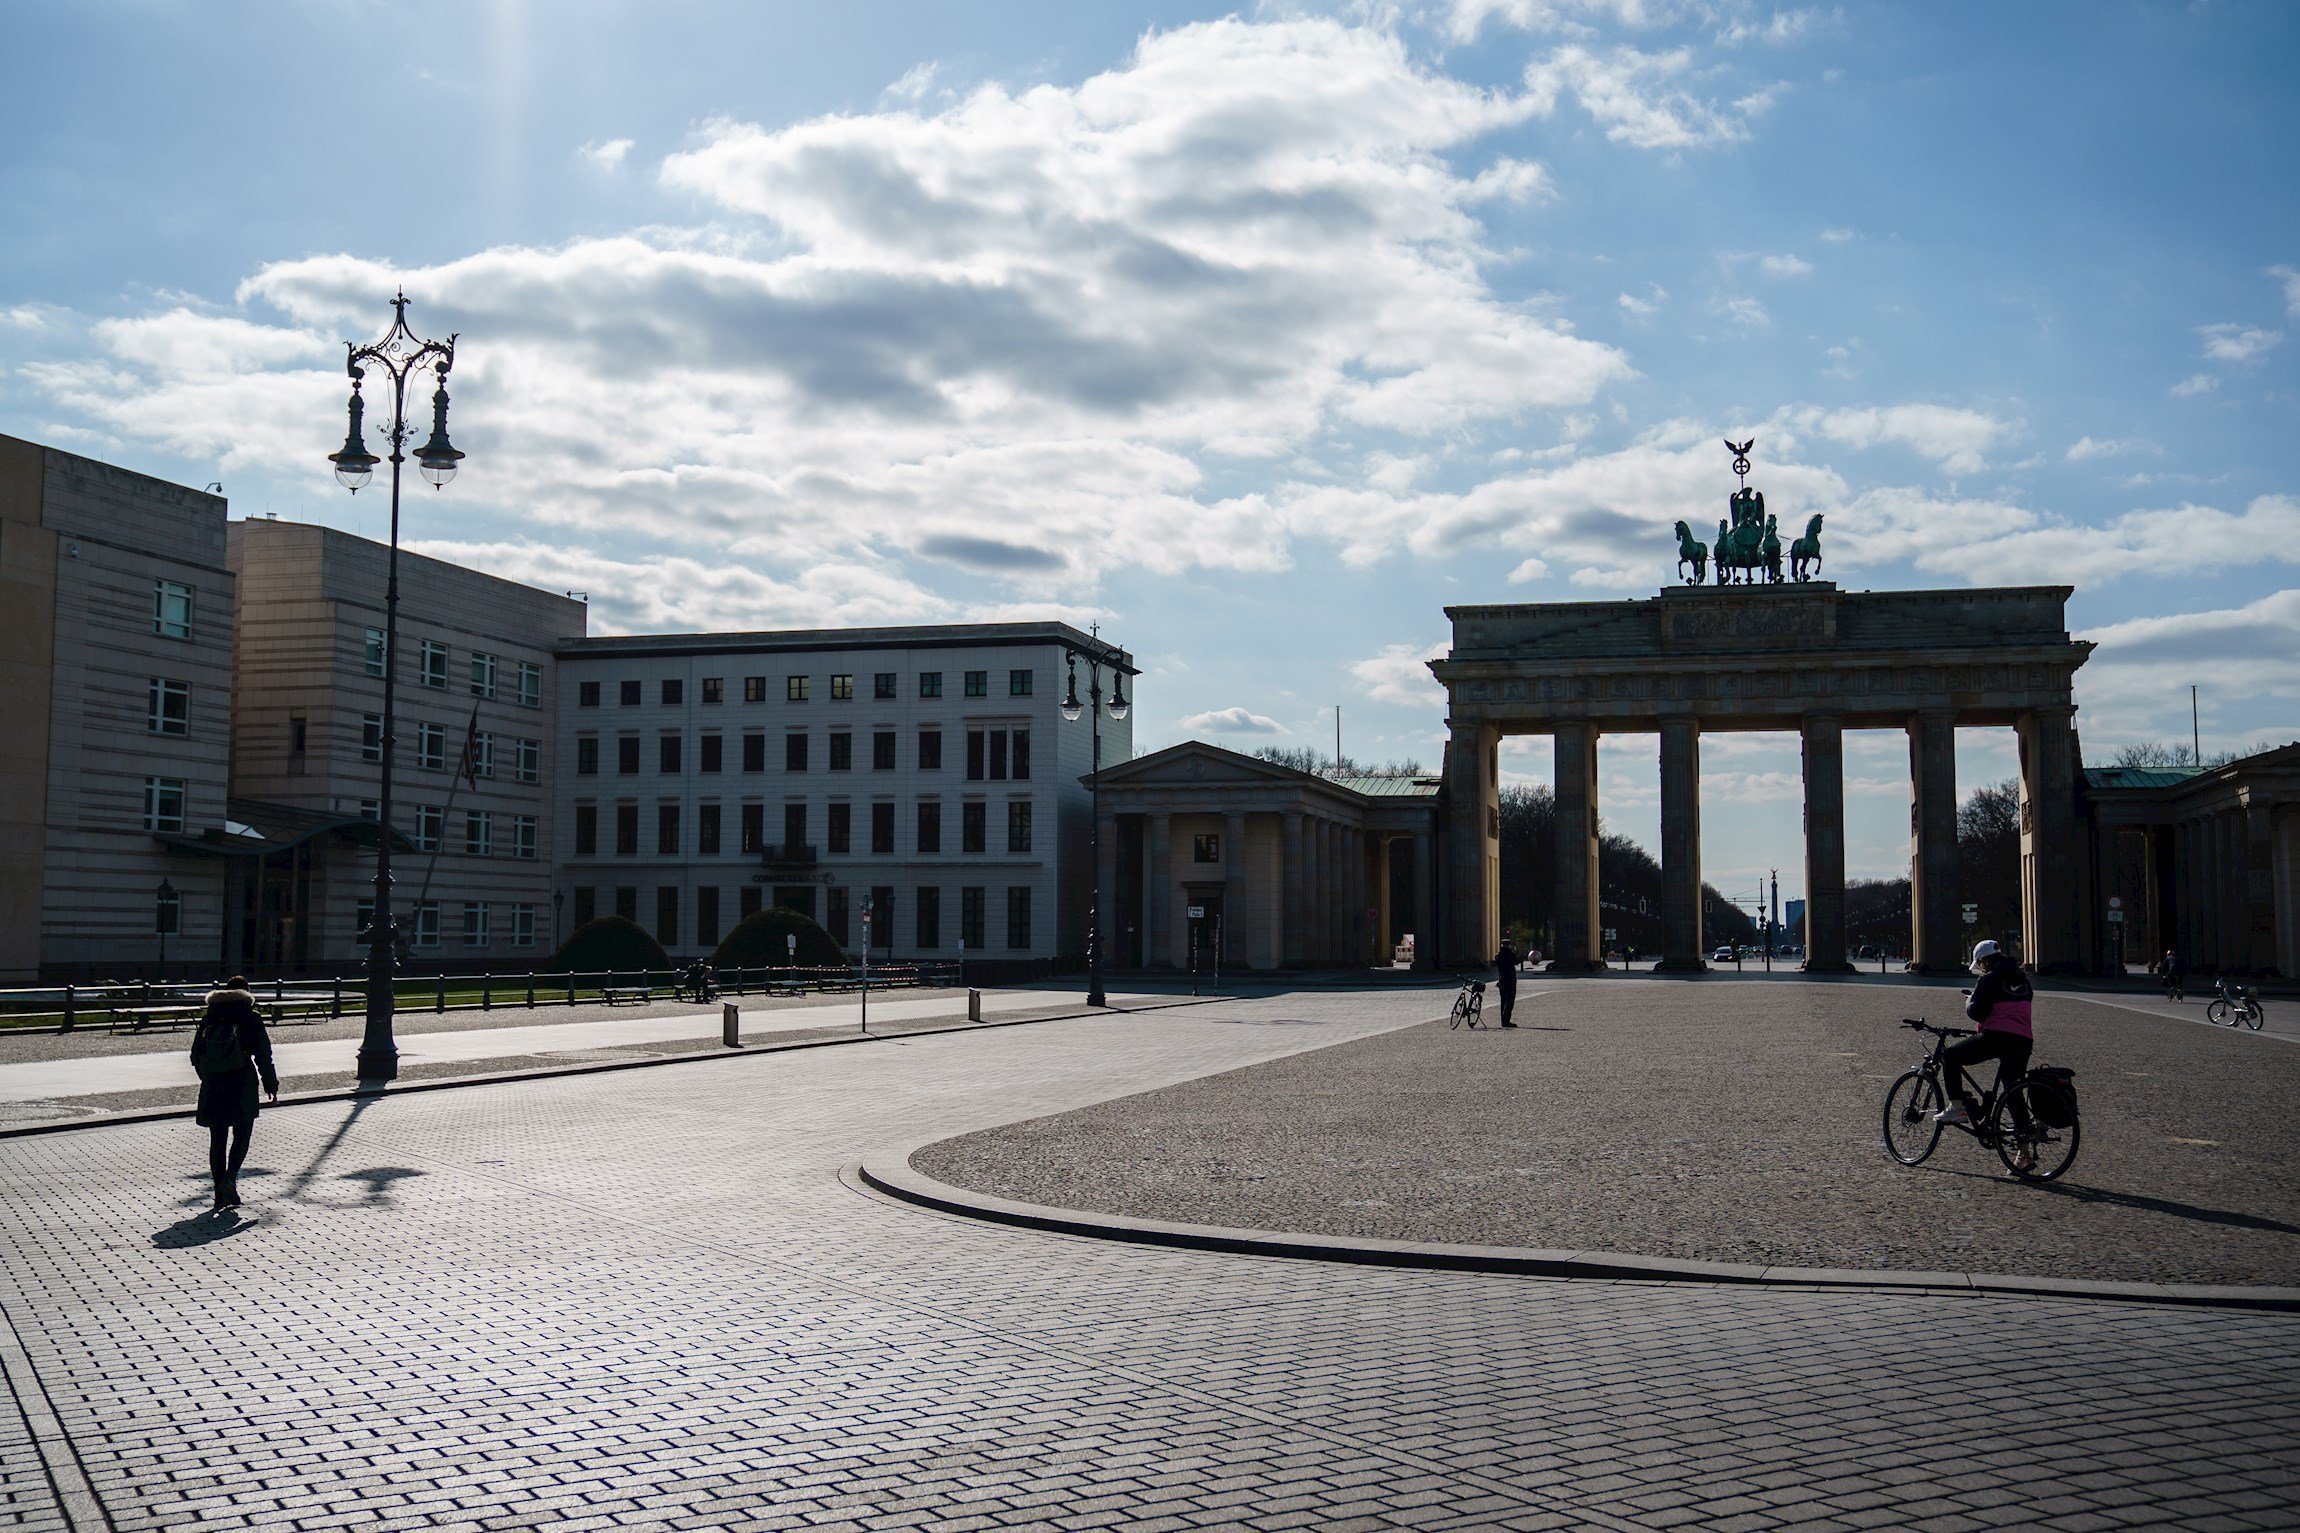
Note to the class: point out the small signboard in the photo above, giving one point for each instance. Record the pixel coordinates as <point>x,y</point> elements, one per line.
<point>1197,912</point>
<point>2116,918</point>
<point>1609,934</point>
<point>2116,902</point>
<point>1972,914</point>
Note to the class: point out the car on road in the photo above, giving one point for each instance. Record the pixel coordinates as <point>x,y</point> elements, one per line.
<point>1724,955</point>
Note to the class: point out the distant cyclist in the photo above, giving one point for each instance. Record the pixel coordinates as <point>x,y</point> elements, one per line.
<point>2170,971</point>
<point>2000,1004</point>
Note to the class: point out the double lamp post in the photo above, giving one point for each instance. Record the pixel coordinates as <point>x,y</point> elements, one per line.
<point>1096,659</point>
<point>401,357</point>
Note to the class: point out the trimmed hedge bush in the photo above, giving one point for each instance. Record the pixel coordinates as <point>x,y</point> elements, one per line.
<point>610,943</point>
<point>761,942</point>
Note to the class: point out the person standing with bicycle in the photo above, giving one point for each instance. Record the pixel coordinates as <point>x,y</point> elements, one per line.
<point>2001,1005</point>
<point>1505,962</point>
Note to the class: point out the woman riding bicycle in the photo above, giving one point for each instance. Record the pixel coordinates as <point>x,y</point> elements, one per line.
<point>2000,1004</point>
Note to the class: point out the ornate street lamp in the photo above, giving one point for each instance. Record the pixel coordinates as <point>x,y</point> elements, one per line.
<point>402,356</point>
<point>1071,708</point>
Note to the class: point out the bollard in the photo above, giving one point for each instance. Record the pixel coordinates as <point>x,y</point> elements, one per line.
<point>487,991</point>
<point>442,995</point>
<point>731,1024</point>
<point>973,1005</point>
<point>68,1017</point>
<point>335,998</point>
<point>531,989</point>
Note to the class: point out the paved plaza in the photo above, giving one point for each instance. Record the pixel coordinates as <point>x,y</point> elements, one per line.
<point>656,1298</point>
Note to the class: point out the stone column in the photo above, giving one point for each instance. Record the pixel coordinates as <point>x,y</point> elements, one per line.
<point>1935,918</point>
<point>1474,813</point>
<point>1385,918</point>
<point>2259,832</point>
<point>2050,940</point>
<point>1824,934</point>
<point>1681,846</point>
<point>1158,905</point>
<point>1241,920</point>
<point>1422,848</point>
<point>2284,820</point>
<point>1577,926</point>
<point>2197,902</point>
<point>1291,881</point>
<point>1314,900</point>
<point>1330,888</point>
<point>2231,889</point>
<point>1359,926</point>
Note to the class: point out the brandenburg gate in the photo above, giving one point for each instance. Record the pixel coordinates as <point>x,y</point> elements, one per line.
<point>1778,655</point>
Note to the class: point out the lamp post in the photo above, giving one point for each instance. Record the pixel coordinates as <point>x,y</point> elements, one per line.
<point>400,356</point>
<point>1096,658</point>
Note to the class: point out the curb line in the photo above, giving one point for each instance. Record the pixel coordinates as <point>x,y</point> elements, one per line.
<point>457,1082</point>
<point>890,1172</point>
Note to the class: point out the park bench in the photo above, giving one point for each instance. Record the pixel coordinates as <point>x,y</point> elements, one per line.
<point>139,1017</point>
<point>638,995</point>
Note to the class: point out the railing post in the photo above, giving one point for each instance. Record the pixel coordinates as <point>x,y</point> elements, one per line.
<point>68,1017</point>
<point>335,1001</point>
<point>570,987</point>
<point>441,1005</point>
<point>531,989</point>
<point>487,991</point>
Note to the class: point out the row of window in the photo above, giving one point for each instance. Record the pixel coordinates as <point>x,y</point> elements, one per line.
<point>885,687</point>
<point>431,669</point>
<point>525,757</point>
<point>973,832</point>
<point>992,755</point>
<point>480,923</point>
<point>838,916</point>
<point>479,838</point>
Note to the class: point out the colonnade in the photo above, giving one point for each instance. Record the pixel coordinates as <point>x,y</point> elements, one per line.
<point>2238,868</point>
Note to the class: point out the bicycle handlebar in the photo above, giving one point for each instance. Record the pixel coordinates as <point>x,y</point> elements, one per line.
<point>1921,1025</point>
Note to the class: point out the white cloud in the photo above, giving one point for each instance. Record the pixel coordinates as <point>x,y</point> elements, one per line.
<point>1839,236</point>
<point>2135,686</point>
<point>1235,721</point>
<point>2085,448</point>
<point>1777,30</point>
<point>915,83</point>
<point>1959,440</point>
<point>1994,543</point>
<point>1527,572</point>
<point>2195,384</point>
<point>1508,180</point>
<point>1746,312</point>
<point>1632,96</point>
<point>1644,308</point>
<point>1466,18</point>
<point>606,154</point>
<point>1784,266</point>
<point>1400,674</point>
<point>2290,277</point>
<point>2236,343</point>
<point>22,316</point>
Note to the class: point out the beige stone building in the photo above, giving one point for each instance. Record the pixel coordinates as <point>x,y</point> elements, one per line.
<point>472,865</point>
<point>116,618</point>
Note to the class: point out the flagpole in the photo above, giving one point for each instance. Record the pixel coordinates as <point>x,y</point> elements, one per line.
<point>467,766</point>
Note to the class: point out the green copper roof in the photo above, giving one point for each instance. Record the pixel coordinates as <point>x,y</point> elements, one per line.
<point>2137,777</point>
<point>1376,785</point>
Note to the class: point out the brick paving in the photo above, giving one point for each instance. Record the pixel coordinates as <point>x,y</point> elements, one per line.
<point>650,1300</point>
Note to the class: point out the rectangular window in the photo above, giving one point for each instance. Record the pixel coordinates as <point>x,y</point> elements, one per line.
<point>483,754</point>
<point>973,818</point>
<point>755,689</point>
<point>707,916</point>
<point>523,926</point>
<point>882,830</point>
<point>530,693</point>
<point>627,755</point>
<point>171,610</point>
<point>626,830</point>
<point>842,688</point>
<point>431,747</point>
<point>1018,826</point>
<point>882,684</point>
<point>430,827</point>
<point>586,905</point>
<point>527,761</point>
<point>754,828</point>
<point>706,830</point>
<point>794,827</point>
<point>974,755</point>
<point>478,833</point>
<point>929,826</point>
<point>970,917</point>
<point>297,733</point>
<point>586,755</point>
<point>163,803</point>
<point>930,750</point>
<point>431,669</point>
<point>371,737</point>
<point>881,916</point>
<point>714,694</point>
<point>667,915</point>
<point>1205,848</point>
<point>586,694</point>
<point>794,689</point>
<point>1019,683</point>
<point>978,683</point>
<point>840,835</point>
<point>842,751</point>
<point>1020,756</point>
<point>482,675</point>
<point>586,829</point>
<point>930,683</point>
<point>423,924</point>
<point>674,691</point>
<point>523,836</point>
<point>475,924</point>
<point>709,748</point>
<point>1018,916</point>
<point>632,693</point>
<point>371,808</point>
<point>835,915</point>
<point>998,755</point>
<point>627,901</point>
<point>795,752</point>
<point>371,651</point>
<point>882,751</point>
<point>667,752</point>
<point>168,707</point>
<point>754,751</point>
<point>666,830</point>
<point>928,924</point>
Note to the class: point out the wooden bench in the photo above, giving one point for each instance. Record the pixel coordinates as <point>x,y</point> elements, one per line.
<point>638,995</point>
<point>138,1018</point>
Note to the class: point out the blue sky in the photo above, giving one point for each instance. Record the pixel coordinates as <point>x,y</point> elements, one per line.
<point>1260,335</point>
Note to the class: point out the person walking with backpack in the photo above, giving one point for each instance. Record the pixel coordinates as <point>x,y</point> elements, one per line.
<point>230,1048</point>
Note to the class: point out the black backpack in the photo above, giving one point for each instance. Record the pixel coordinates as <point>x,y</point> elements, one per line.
<point>217,1051</point>
<point>2054,1109</point>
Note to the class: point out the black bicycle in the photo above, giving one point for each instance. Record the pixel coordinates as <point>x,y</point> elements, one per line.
<point>2232,1005</point>
<point>2037,1144</point>
<point>1469,1006</point>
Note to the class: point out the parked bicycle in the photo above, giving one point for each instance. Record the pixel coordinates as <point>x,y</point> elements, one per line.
<point>2032,1124</point>
<point>1469,1006</point>
<point>2235,1005</point>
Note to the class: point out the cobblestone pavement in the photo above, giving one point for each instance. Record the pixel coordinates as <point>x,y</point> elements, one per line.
<point>649,1299</point>
<point>1734,1123</point>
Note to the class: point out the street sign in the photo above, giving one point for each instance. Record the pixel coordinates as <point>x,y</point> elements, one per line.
<point>2116,902</point>
<point>1972,914</point>
<point>1609,934</point>
<point>2116,917</point>
<point>1197,912</point>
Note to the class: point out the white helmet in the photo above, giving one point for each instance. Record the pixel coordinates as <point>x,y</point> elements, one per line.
<point>1983,951</point>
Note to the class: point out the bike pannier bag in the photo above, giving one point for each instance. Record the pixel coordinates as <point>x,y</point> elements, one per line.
<point>2055,1109</point>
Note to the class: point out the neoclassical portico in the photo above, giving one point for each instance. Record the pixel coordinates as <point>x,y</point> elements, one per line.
<point>1803,657</point>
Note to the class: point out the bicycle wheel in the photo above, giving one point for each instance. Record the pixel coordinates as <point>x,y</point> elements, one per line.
<point>1910,1132</point>
<point>2054,1148</point>
<point>2218,1014</point>
<point>1476,1008</point>
<point>2256,1015</point>
<point>1460,1010</point>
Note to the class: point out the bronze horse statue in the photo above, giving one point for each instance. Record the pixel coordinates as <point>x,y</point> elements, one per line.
<point>1805,552</point>
<point>1690,551</point>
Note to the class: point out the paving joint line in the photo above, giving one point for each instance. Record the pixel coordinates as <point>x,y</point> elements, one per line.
<point>77,1502</point>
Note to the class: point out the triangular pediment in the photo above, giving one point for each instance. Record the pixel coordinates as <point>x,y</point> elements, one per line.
<point>1194,761</point>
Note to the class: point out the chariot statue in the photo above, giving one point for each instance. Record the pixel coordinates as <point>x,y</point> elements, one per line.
<point>1748,546</point>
